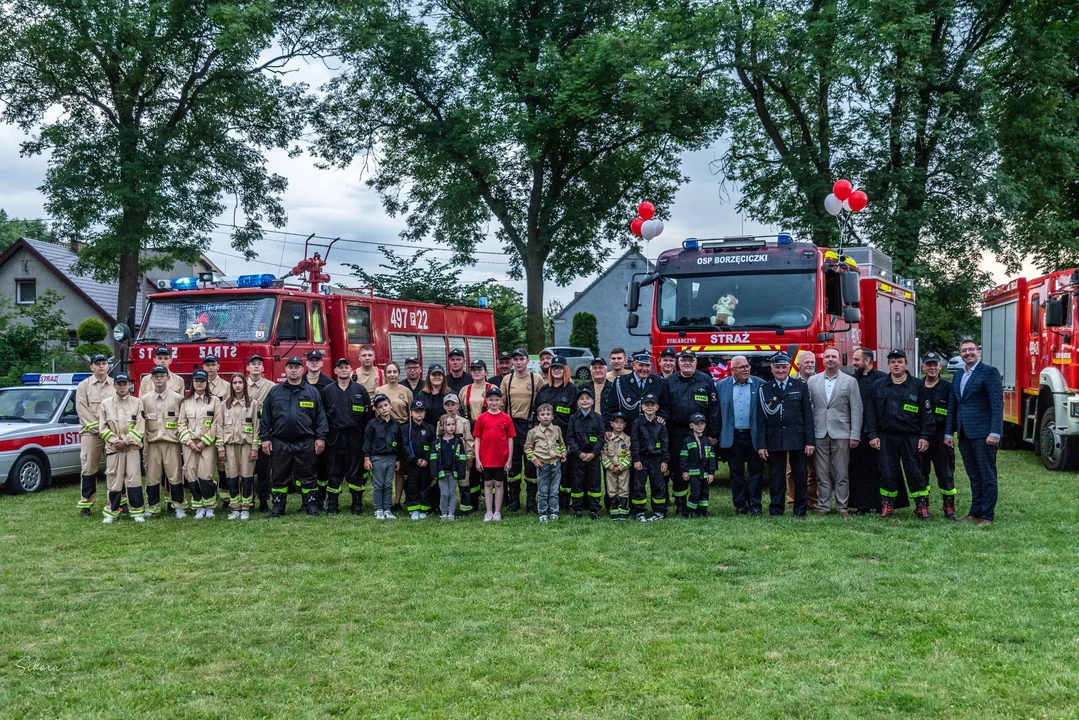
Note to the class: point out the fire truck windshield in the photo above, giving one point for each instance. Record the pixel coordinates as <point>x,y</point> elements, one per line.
<point>749,301</point>
<point>195,318</point>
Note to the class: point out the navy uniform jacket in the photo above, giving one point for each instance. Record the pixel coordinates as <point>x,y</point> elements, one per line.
<point>626,396</point>
<point>695,394</point>
<point>785,419</point>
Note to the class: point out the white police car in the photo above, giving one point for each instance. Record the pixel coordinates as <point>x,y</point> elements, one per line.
<point>39,430</point>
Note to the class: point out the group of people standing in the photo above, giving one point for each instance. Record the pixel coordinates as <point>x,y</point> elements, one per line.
<point>644,444</point>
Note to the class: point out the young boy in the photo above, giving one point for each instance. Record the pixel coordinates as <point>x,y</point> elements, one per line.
<point>698,466</point>
<point>650,452</point>
<point>544,449</point>
<point>585,443</point>
<point>494,433</point>
<point>382,455</point>
<point>416,440</point>
<point>616,462</point>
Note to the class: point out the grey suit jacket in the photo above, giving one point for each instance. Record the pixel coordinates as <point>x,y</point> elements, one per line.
<point>841,417</point>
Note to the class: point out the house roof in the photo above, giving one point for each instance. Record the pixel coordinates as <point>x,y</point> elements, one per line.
<point>100,296</point>
<point>628,254</point>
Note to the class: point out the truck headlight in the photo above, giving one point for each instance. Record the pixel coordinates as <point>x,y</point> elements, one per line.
<point>1073,410</point>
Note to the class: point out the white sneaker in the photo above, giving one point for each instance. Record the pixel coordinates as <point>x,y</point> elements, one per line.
<point>554,516</point>
<point>234,515</point>
<point>444,516</point>
<point>200,514</point>
<point>107,520</point>
<point>489,516</point>
<point>180,514</point>
<point>379,515</point>
<point>543,518</point>
<point>139,518</point>
<point>423,516</point>
<point>497,517</point>
<point>450,517</point>
<point>387,515</point>
<point>245,515</point>
<point>415,515</point>
<point>209,513</point>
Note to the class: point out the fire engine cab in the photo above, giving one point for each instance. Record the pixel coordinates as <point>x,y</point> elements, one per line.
<point>1030,333</point>
<point>262,314</point>
<point>755,296</point>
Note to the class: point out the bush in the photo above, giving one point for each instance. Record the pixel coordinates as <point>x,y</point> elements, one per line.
<point>585,332</point>
<point>92,330</point>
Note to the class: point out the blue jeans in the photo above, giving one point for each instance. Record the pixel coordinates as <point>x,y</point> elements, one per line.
<point>548,477</point>
<point>980,461</point>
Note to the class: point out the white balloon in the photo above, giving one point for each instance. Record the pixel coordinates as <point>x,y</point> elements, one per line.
<point>833,204</point>
<point>648,229</point>
<point>846,205</point>
<point>659,227</point>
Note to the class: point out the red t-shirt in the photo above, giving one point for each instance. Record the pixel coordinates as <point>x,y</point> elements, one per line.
<point>494,432</point>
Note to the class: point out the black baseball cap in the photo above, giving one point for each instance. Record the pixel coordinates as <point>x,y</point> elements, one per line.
<point>519,351</point>
<point>546,351</point>
<point>598,361</point>
<point>294,360</point>
<point>342,361</point>
<point>619,416</point>
<point>314,355</point>
<point>687,353</point>
<point>210,358</point>
<point>158,370</point>
<point>162,351</point>
<point>122,377</point>
<point>477,363</point>
<point>199,375</point>
<point>456,351</point>
<point>650,398</point>
<point>418,405</point>
<point>558,361</point>
<point>668,352</point>
<point>586,390</point>
<point>932,357</point>
<point>379,398</point>
<point>696,418</point>
<point>256,356</point>
<point>412,361</point>
<point>436,368</point>
<point>99,357</point>
<point>897,353</point>
<point>493,391</point>
<point>504,355</point>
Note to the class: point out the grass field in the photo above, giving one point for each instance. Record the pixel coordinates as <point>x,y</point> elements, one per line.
<point>721,618</point>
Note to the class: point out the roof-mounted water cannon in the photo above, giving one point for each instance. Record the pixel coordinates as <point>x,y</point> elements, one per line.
<point>312,266</point>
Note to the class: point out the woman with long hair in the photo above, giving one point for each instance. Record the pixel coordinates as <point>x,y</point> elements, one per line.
<point>434,390</point>
<point>399,395</point>
<point>239,446</point>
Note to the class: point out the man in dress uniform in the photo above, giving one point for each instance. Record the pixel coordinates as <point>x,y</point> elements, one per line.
<point>629,389</point>
<point>785,421</point>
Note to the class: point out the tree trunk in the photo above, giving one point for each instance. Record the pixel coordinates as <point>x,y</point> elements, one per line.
<point>129,286</point>
<point>534,332</point>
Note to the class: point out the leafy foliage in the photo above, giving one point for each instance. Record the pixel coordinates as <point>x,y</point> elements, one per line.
<point>585,332</point>
<point>548,120</point>
<point>11,229</point>
<point>91,330</point>
<point>32,338</point>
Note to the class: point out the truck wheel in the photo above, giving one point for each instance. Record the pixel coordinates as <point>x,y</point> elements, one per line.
<point>1059,452</point>
<point>29,475</point>
<point>583,373</point>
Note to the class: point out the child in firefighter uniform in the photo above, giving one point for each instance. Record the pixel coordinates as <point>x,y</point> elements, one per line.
<point>584,441</point>
<point>239,446</point>
<point>88,398</point>
<point>161,449</point>
<point>616,461</point>
<point>448,463</point>
<point>417,437</point>
<point>698,465</point>
<point>122,427</point>
<point>200,431</point>
<point>452,405</point>
<point>650,452</point>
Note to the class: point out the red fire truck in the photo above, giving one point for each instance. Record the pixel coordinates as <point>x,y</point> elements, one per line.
<point>1030,333</point>
<point>264,315</point>
<point>754,296</point>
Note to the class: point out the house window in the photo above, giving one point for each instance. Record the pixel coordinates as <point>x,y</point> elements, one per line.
<point>25,292</point>
<point>72,340</point>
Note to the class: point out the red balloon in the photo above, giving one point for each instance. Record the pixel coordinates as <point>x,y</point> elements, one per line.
<point>635,226</point>
<point>646,210</point>
<point>857,201</point>
<point>842,189</point>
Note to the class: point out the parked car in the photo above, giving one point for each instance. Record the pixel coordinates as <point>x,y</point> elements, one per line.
<point>579,360</point>
<point>955,364</point>
<point>39,431</point>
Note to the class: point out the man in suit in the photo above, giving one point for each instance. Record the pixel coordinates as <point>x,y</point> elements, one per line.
<point>865,459</point>
<point>976,415</point>
<point>739,438</point>
<point>786,422</point>
<point>837,419</point>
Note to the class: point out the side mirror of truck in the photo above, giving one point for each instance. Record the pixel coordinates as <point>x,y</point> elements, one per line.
<point>1054,312</point>
<point>632,320</point>
<point>823,337</point>
<point>633,299</point>
<point>852,315</point>
<point>850,288</point>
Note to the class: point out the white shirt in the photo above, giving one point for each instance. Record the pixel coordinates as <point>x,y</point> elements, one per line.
<point>966,376</point>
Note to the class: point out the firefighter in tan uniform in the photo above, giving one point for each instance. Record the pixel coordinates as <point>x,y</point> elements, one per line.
<point>161,446</point>
<point>163,358</point>
<point>217,385</point>
<point>88,398</point>
<point>121,423</point>
<point>370,376</point>
<point>200,430</point>
<point>239,446</point>
<point>258,387</point>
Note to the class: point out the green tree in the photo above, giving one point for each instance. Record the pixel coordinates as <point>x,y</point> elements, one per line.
<point>547,120</point>
<point>11,229</point>
<point>32,336</point>
<point>507,304</point>
<point>585,332</point>
<point>152,111</point>
<point>91,330</point>
<point>417,278</point>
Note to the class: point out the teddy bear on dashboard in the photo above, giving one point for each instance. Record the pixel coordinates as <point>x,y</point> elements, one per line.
<point>724,309</point>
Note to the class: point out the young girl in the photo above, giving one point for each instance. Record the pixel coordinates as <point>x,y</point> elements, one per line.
<point>239,448</point>
<point>448,464</point>
<point>494,435</point>
<point>452,404</point>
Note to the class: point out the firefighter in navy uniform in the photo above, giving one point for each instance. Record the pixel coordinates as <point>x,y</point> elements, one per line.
<point>293,431</point>
<point>692,393</point>
<point>939,457</point>
<point>348,408</point>
<point>900,427</point>
<point>785,421</point>
<point>628,390</point>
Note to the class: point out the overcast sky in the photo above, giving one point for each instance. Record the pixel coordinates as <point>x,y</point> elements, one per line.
<point>336,203</point>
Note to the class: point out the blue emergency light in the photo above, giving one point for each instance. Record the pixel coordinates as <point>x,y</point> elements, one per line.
<point>255,281</point>
<point>57,379</point>
<point>690,244</point>
<point>785,238</point>
<point>185,283</point>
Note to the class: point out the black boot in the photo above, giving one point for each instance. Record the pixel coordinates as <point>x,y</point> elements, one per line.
<point>921,507</point>
<point>680,507</point>
<point>949,508</point>
<point>311,504</point>
<point>320,497</point>
<point>512,501</point>
<point>331,503</point>
<point>357,502</point>
<point>264,505</point>
<point>530,497</point>
<point>279,499</point>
